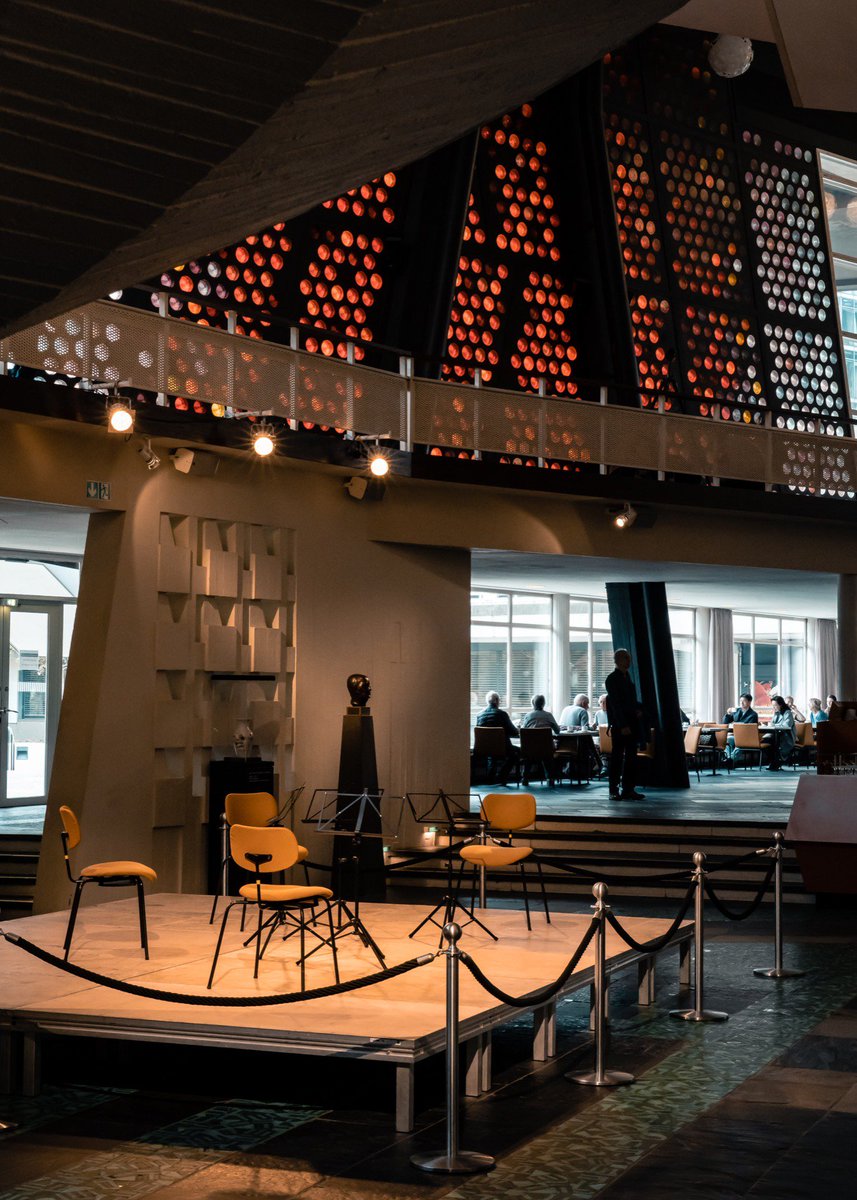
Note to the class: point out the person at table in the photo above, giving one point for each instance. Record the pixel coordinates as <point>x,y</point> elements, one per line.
<point>600,716</point>
<point>816,712</point>
<point>795,711</point>
<point>576,715</point>
<point>783,743</point>
<point>494,716</point>
<point>624,716</point>
<point>743,712</point>
<point>539,717</point>
<point>831,700</point>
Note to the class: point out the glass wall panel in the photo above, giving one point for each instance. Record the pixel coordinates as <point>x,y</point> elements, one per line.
<point>530,669</point>
<point>489,665</point>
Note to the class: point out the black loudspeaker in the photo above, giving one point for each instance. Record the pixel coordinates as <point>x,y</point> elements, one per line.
<point>822,829</point>
<point>227,775</point>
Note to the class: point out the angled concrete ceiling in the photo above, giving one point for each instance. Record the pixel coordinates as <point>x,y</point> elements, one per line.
<point>140,135</point>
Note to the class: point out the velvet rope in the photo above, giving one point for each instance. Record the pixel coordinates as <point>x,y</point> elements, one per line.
<point>135,989</point>
<point>655,944</point>
<point>744,913</point>
<point>532,999</point>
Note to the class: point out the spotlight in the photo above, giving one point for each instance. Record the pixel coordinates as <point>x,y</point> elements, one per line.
<point>264,440</point>
<point>120,416</point>
<point>624,518</point>
<point>378,465</point>
<point>148,455</point>
<point>730,56</point>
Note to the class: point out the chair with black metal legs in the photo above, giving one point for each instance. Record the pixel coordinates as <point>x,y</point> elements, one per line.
<point>506,812</point>
<point>255,808</point>
<point>264,852</point>
<point>123,873</point>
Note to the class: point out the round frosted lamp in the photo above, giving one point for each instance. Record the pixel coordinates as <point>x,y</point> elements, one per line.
<point>263,443</point>
<point>120,417</point>
<point>379,466</point>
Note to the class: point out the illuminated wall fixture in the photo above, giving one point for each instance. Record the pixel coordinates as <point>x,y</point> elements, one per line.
<point>264,440</point>
<point>623,518</point>
<point>378,464</point>
<point>730,56</point>
<point>148,455</point>
<point>120,416</point>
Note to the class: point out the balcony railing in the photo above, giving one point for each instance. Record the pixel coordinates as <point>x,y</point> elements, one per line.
<point>115,344</point>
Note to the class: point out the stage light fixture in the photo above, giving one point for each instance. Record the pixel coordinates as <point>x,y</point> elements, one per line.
<point>624,518</point>
<point>148,455</point>
<point>120,416</point>
<point>378,465</point>
<point>730,56</point>
<point>264,440</point>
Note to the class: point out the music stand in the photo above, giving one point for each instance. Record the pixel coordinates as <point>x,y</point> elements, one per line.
<point>347,814</point>
<point>447,809</point>
<point>288,805</point>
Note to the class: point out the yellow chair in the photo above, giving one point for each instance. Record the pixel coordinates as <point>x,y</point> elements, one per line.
<point>257,808</point>
<point>747,740</point>
<point>266,851</point>
<point>506,812</point>
<point>107,874</point>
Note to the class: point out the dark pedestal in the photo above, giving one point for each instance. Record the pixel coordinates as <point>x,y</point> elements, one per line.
<point>823,830</point>
<point>358,772</point>
<point>227,775</point>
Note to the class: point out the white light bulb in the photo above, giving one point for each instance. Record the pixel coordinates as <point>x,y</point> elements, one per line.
<point>263,444</point>
<point>379,466</point>
<point>120,418</point>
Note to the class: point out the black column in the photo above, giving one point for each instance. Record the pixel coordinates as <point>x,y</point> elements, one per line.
<point>639,621</point>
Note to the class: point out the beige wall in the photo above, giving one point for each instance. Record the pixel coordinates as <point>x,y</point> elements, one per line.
<point>380,588</point>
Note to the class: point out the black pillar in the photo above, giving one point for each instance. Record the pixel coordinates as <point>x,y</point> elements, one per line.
<point>357,773</point>
<point>639,621</point>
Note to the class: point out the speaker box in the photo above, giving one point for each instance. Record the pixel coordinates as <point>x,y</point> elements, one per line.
<point>195,462</point>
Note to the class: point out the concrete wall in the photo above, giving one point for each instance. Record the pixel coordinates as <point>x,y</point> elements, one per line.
<point>379,587</point>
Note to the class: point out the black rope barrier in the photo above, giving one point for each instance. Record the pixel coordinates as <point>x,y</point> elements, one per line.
<point>135,989</point>
<point>537,998</point>
<point>742,915</point>
<point>612,880</point>
<point>652,947</point>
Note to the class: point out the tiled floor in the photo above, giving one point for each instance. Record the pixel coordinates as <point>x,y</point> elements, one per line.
<point>763,1106</point>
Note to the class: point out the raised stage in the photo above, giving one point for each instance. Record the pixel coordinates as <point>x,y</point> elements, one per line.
<point>400,1021</point>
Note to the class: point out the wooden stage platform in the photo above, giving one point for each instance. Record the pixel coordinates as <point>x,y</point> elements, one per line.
<point>400,1021</point>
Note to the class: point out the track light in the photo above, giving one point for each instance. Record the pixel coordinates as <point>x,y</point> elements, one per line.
<point>148,455</point>
<point>624,518</point>
<point>120,416</point>
<point>378,465</point>
<point>264,440</point>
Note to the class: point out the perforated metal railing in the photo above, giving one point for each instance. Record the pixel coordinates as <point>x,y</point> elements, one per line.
<point>112,343</point>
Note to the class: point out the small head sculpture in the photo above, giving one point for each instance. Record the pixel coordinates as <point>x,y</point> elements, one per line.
<point>359,689</point>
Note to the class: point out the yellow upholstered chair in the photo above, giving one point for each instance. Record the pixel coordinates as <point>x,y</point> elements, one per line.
<point>506,812</point>
<point>258,808</point>
<point>265,851</point>
<point>122,873</point>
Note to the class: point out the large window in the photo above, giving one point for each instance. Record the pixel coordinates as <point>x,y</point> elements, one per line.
<point>840,202</point>
<point>770,658</point>
<point>510,649</point>
<point>683,629</point>
<point>590,648</point>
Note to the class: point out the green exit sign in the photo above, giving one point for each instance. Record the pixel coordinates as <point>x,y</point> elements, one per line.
<point>96,490</point>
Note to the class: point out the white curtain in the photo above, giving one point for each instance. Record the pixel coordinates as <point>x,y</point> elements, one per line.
<point>721,662</point>
<point>826,659</point>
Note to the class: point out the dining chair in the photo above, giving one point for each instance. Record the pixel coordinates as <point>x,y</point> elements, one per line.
<point>505,814</point>
<point>747,740</point>
<point>691,748</point>
<point>489,742</point>
<point>122,873</point>
<point>265,851</point>
<point>537,749</point>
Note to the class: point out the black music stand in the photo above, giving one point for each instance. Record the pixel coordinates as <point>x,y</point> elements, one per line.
<point>450,810</point>
<point>345,814</point>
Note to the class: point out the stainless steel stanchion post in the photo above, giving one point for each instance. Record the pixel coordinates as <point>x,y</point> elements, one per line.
<point>452,1161</point>
<point>778,971</point>
<point>7,1127</point>
<point>699,1012</point>
<point>601,1077</point>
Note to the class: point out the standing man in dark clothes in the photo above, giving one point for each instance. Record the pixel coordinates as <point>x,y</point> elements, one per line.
<point>494,715</point>
<point>623,713</point>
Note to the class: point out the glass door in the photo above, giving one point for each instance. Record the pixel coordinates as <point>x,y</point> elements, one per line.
<point>31,678</point>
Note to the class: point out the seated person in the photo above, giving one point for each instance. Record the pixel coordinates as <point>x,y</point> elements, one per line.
<point>796,713</point>
<point>816,712</point>
<point>744,713</point>
<point>494,715</point>
<point>576,715</point>
<point>600,717</point>
<point>539,717</point>
<point>831,699</point>
<point>783,744</point>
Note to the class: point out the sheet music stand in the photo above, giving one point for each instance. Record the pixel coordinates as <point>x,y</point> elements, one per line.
<point>450,809</point>
<point>346,814</point>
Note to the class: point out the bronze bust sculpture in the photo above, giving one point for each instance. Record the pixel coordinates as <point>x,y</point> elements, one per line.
<point>359,689</point>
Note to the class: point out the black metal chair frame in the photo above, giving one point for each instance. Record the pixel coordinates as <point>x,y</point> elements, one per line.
<point>284,914</point>
<point>80,882</point>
